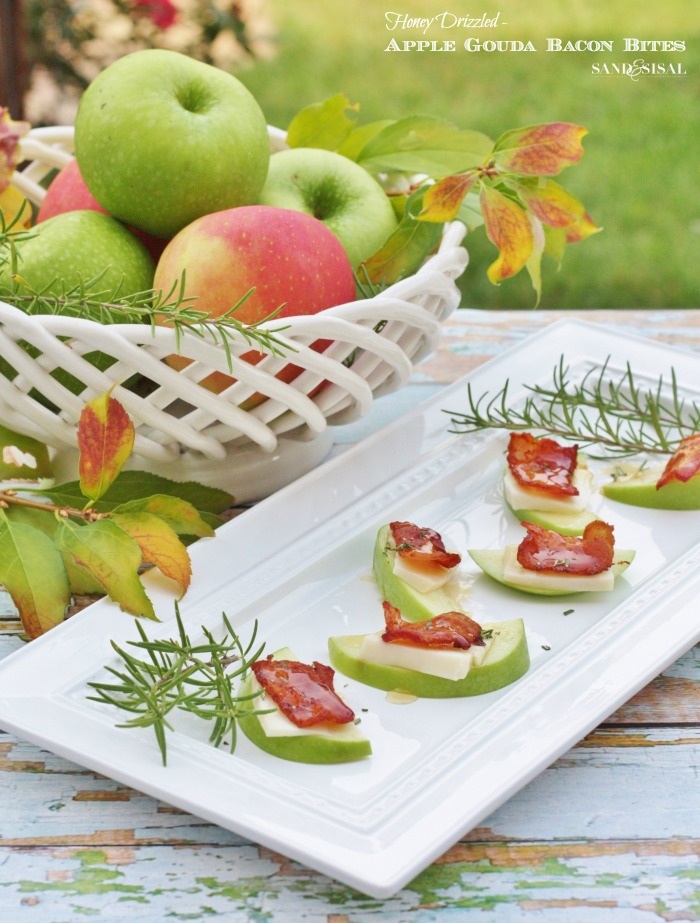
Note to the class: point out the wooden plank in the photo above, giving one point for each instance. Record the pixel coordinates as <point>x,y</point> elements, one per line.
<point>618,783</point>
<point>630,881</point>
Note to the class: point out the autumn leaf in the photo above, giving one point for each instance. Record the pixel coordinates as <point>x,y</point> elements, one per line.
<point>159,545</point>
<point>10,154</point>
<point>323,125</point>
<point>443,199</point>
<point>105,440</point>
<point>177,513</point>
<point>556,207</point>
<point>112,557</point>
<point>32,572</point>
<point>540,150</point>
<point>406,248</point>
<point>508,227</point>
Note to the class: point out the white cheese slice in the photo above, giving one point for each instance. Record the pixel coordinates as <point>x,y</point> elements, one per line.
<point>530,498</point>
<point>514,572</point>
<point>448,664</point>
<point>424,577</point>
<point>277,724</point>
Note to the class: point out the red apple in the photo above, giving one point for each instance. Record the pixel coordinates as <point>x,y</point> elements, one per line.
<point>68,193</point>
<point>290,259</point>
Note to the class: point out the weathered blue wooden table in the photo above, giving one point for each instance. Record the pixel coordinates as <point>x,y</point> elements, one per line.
<point>610,832</point>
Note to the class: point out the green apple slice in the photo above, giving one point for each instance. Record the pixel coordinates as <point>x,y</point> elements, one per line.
<point>506,660</point>
<point>413,605</point>
<point>563,523</point>
<point>639,489</point>
<point>492,563</point>
<point>343,744</point>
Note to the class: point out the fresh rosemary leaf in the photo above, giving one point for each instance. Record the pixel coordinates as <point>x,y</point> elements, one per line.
<point>176,674</point>
<point>608,416</point>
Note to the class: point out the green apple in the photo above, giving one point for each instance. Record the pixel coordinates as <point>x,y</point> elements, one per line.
<point>342,745</point>
<point>413,605</point>
<point>639,489</point>
<point>335,190</point>
<point>22,457</point>
<point>563,523</point>
<point>492,563</point>
<point>76,247</point>
<point>162,139</point>
<point>506,660</point>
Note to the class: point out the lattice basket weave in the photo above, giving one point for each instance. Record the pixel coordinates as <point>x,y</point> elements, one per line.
<point>190,431</point>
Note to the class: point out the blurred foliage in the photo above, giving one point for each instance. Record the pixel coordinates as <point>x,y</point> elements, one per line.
<point>636,175</point>
<point>68,42</point>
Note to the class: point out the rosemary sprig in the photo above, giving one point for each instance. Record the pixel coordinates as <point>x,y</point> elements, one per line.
<point>177,674</point>
<point>154,307</point>
<point>620,416</point>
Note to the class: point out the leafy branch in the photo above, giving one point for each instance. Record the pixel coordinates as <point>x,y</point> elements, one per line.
<point>52,547</point>
<point>178,674</point>
<point>621,416</point>
<point>436,172</point>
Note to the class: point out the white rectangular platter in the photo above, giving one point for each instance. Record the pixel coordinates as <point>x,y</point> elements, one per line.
<point>300,563</point>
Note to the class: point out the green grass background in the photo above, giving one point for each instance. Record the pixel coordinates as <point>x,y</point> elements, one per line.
<point>639,174</point>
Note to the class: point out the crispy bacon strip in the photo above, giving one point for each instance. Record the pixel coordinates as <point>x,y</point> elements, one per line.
<point>449,630</point>
<point>543,463</point>
<point>422,545</point>
<point>590,553</point>
<point>303,692</point>
<point>684,463</point>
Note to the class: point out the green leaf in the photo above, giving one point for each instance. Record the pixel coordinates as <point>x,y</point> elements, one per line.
<point>180,515</point>
<point>22,457</point>
<point>470,212</point>
<point>406,248</point>
<point>359,137</point>
<point>325,124</point>
<point>424,144</point>
<point>79,579</point>
<point>555,243</point>
<point>534,262</point>
<point>137,485</point>
<point>112,557</point>
<point>32,572</point>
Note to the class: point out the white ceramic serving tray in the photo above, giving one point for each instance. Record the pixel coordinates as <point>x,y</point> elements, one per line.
<point>300,563</point>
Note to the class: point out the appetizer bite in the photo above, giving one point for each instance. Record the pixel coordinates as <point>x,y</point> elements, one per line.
<point>548,484</point>
<point>412,567</point>
<point>676,487</point>
<point>296,713</point>
<point>446,656</point>
<point>550,564</point>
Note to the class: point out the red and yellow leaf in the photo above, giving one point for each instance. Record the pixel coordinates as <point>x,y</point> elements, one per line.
<point>540,150</point>
<point>159,545</point>
<point>509,228</point>
<point>10,155</point>
<point>443,199</point>
<point>557,208</point>
<point>105,440</point>
<point>180,515</point>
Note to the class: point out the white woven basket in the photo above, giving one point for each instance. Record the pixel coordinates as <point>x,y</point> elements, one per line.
<point>186,431</point>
